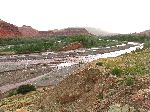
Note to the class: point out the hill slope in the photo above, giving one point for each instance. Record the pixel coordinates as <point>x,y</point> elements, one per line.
<point>94,89</point>
<point>8,30</point>
<point>99,32</point>
<point>28,31</point>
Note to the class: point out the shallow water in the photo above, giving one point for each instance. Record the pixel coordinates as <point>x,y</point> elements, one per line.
<point>63,62</point>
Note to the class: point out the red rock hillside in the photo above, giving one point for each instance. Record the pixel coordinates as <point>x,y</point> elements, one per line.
<point>146,32</point>
<point>65,32</point>
<point>72,46</point>
<point>8,30</point>
<point>28,31</point>
<point>46,33</point>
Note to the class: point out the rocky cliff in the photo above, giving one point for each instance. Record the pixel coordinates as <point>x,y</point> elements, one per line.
<point>8,30</point>
<point>28,31</point>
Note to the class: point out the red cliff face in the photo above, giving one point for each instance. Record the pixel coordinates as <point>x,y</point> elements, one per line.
<point>28,31</point>
<point>8,30</point>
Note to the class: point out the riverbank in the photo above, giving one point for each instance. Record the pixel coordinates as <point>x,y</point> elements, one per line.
<point>94,88</point>
<point>45,69</point>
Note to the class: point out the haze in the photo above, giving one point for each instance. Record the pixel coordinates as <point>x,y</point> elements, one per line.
<point>118,16</point>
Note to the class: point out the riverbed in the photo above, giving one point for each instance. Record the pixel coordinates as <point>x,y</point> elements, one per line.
<point>49,68</point>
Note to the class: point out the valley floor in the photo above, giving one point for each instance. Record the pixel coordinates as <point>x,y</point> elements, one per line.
<point>97,87</point>
<point>16,70</point>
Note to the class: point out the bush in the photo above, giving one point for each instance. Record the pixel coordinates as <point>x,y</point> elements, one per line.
<point>116,71</point>
<point>99,63</point>
<point>101,96</point>
<point>147,44</point>
<point>23,89</point>
<point>129,81</point>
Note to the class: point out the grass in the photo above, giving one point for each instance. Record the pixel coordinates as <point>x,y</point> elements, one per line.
<point>29,45</point>
<point>17,101</point>
<point>132,38</point>
<point>99,63</point>
<point>135,63</point>
<point>129,81</point>
<point>116,71</point>
<point>147,44</point>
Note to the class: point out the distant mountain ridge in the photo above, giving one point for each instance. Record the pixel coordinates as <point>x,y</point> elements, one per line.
<point>146,32</point>
<point>99,32</point>
<point>10,30</point>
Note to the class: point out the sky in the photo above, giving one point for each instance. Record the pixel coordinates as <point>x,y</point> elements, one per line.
<point>118,16</point>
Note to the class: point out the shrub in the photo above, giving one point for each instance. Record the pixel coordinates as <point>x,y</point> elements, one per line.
<point>147,44</point>
<point>23,89</point>
<point>101,96</point>
<point>129,81</point>
<point>116,71</point>
<point>99,63</point>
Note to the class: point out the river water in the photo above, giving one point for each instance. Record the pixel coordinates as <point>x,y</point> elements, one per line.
<point>63,63</point>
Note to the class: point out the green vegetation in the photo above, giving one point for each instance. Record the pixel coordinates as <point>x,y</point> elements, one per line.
<point>132,38</point>
<point>23,89</point>
<point>129,81</point>
<point>135,63</point>
<point>101,96</point>
<point>116,71</point>
<point>147,44</point>
<point>28,45</point>
<point>99,63</point>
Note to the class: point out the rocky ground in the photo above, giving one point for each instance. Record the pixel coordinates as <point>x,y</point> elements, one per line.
<point>94,88</point>
<point>26,68</point>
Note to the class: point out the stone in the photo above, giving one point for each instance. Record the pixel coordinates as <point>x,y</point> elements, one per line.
<point>21,110</point>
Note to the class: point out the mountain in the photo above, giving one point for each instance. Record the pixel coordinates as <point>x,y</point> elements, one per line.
<point>146,32</point>
<point>98,32</point>
<point>8,30</point>
<point>28,31</point>
<point>71,31</point>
